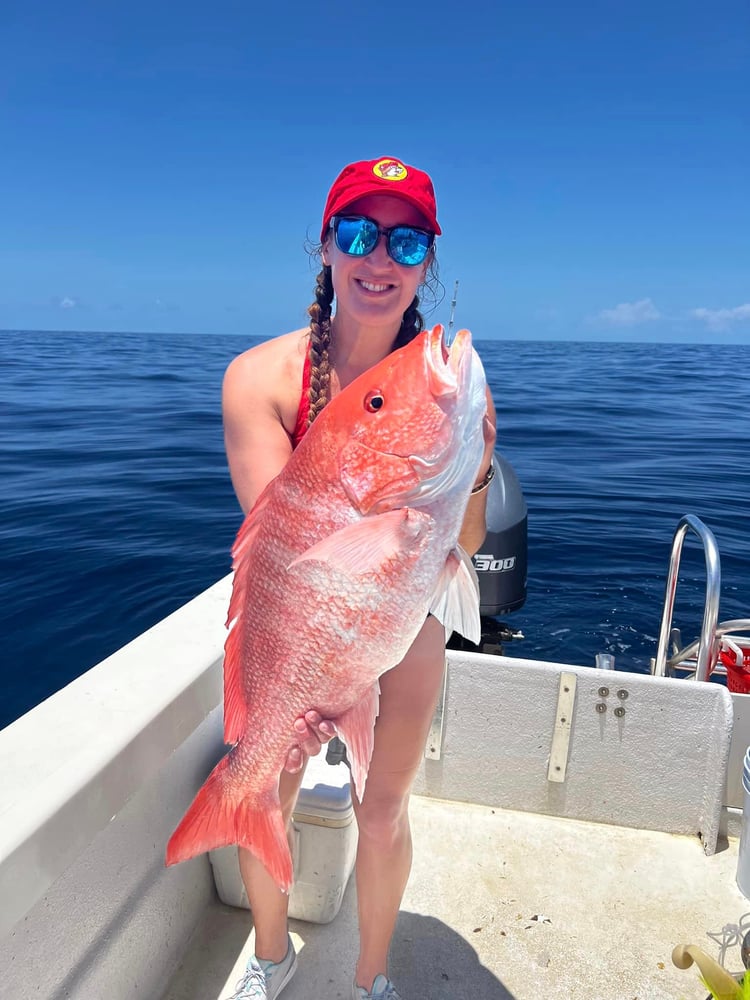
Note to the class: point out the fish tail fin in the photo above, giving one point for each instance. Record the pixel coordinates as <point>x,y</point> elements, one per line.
<point>219,817</point>
<point>261,829</point>
<point>208,822</point>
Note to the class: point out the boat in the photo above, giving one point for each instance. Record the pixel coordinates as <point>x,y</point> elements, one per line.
<point>572,825</point>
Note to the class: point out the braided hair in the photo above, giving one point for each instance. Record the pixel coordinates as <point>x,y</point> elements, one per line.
<point>320,343</point>
<point>319,312</point>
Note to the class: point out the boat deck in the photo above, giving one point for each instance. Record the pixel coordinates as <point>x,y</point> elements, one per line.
<point>506,905</point>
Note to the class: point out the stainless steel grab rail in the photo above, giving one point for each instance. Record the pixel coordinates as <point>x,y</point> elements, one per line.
<point>708,644</point>
<point>728,628</point>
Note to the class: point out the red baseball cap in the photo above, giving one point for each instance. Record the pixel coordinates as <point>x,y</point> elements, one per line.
<point>386,175</point>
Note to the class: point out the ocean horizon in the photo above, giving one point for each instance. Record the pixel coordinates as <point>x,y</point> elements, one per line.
<point>720,337</point>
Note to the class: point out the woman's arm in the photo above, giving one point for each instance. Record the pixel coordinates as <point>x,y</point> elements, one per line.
<point>258,447</point>
<point>256,441</point>
<point>474,528</point>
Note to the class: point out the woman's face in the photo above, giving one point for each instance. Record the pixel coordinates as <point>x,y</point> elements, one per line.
<point>375,290</point>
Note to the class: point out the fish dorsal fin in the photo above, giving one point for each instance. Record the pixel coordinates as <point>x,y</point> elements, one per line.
<point>363,547</point>
<point>357,729</point>
<point>455,600</point>
<point>235,704</point>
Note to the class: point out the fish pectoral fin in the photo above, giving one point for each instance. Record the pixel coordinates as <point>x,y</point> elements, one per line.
<point>364,547</point>
<point>356,727</point>
<point>455,600</point>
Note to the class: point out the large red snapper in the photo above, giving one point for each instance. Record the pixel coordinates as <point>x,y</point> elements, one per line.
<point>336,568</point>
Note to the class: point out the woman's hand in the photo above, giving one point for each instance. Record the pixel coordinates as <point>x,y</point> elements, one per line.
<point>311,732</point>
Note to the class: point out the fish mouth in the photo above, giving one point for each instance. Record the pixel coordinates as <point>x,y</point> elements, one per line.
<point>452,376</point>
<point>446,366</point>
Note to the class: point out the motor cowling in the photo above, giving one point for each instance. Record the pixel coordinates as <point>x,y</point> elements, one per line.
<point>501,562</point>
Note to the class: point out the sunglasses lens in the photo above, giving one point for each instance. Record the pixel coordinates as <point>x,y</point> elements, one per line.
<point>408,246</point>
<point>356,236</point>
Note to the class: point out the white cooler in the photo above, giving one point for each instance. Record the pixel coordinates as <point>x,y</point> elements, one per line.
<point>325,845</point>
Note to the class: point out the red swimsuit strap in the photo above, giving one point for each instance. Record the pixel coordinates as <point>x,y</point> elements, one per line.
<point>304,404</point>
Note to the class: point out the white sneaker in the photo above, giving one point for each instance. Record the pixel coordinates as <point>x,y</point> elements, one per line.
<point>264,980</point>
<point>382,989</point>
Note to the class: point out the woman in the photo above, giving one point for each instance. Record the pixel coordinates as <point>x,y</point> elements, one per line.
<point>377,247</point>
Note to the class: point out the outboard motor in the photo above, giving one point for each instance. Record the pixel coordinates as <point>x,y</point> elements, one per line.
<point>501,562</point>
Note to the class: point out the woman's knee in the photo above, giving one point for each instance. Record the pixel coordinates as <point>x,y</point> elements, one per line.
<point>385,820</point>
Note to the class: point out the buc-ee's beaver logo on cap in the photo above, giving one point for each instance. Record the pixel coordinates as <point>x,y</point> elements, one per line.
<point>390,170</point>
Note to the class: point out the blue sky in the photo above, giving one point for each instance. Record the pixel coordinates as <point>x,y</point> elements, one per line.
<point>161,164</point>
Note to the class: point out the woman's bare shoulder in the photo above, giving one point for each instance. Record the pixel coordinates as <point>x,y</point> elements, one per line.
<point>268,376</point>
<point>281,356</point>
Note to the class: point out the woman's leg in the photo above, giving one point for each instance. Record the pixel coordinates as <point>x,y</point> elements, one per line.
<point>408,697</point>
<point>267,902</point>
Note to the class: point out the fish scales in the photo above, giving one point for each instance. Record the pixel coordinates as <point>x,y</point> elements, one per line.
<point>336,567</point>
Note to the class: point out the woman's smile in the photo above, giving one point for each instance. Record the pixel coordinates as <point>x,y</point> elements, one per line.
<point>372,286</point>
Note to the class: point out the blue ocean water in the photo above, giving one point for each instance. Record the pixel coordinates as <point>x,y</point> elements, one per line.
<point>116,505</point>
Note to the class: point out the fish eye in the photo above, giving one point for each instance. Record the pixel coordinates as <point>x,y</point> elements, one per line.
<point>374,400</point>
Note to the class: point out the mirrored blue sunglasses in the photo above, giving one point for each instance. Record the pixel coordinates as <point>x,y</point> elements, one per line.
<point>357,236</point>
